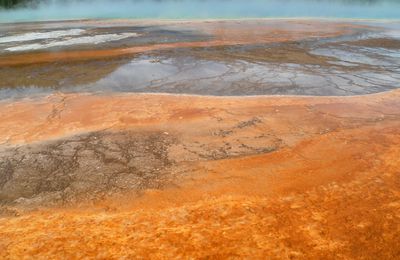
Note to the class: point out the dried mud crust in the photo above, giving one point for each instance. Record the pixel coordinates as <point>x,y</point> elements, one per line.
<point>93,166</point>
<point>86,167</point>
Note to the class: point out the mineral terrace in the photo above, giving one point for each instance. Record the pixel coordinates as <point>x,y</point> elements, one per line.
<point>255,139</point>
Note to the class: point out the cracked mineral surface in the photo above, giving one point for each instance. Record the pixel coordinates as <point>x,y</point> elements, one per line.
<point>248,139</point>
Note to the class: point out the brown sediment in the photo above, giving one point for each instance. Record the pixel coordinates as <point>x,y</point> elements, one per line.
<point>379,43</point>
<point>59,73</point>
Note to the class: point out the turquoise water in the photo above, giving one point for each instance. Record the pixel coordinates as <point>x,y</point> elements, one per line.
<point>200,9</point>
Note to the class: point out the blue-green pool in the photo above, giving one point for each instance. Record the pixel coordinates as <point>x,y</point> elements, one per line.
<point>202,9</point>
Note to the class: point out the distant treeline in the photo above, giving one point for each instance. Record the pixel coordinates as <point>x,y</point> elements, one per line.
<point>11,3</point>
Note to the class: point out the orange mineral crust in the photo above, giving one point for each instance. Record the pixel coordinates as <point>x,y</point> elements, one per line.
<point>304,178</point>
<point>290,118</point>
<point>329,199</point>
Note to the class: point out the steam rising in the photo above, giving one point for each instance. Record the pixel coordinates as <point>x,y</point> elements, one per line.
<point>197,9</point>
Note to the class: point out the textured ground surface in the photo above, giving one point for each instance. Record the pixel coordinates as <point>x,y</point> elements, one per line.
<point>109,175</point>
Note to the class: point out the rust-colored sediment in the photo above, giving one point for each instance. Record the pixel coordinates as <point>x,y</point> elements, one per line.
<point>333,189</point>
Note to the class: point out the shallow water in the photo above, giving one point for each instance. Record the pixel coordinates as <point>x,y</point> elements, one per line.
<point>359,58</point>
<point>196,9</point>
<point>338,70</point>
<point>190,75</point>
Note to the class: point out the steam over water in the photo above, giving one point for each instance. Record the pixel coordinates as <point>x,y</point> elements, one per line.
<point>198,9</point>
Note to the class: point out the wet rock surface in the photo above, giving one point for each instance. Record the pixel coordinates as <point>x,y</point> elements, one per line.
<point>283,69</point>
<point>365,60</point>
<point>338,69</point>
